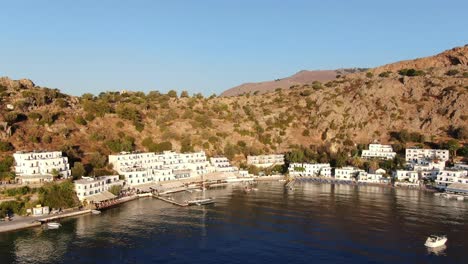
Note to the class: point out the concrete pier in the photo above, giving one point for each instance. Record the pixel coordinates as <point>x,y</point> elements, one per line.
<point>170,201</point>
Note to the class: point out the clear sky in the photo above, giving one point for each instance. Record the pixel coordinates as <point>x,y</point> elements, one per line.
<point>210,45</point>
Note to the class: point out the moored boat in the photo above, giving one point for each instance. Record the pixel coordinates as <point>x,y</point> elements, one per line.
<point>435,241</point>
<point>53,225</point>
<point>95,212</point>
<point>201,201</point>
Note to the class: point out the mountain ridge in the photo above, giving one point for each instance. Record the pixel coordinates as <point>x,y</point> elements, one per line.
<point>430,104</point>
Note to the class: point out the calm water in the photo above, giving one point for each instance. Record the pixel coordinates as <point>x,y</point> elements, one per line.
<point>316,223</point>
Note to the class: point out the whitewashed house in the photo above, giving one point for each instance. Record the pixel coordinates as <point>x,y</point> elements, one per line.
<point>39,166</point>
<point>460,166</point>
<point>126,160</point>
<point>347,173</point>
<point>143,168</point>
<point>222,164</point>
<point>195,161</point>
<point>419,155</point>
<point>310,169</point>
<point>371,177</point>
<point>407,176</point>
<point>379,151</point>
<point>265,161</point>
<point>244,173</point>
<point>447,177</point>
<point>87,187</point>
<point>428,165</point>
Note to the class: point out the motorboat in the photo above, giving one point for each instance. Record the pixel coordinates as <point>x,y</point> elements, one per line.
<point>435,241</point>
<point>95,212</point>
<point>53,225</point>
<point>255,189</point>
<point>201,201</point>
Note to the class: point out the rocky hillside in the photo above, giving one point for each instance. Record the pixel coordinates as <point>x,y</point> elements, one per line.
<point>455,56</point>
<point>299,79</point>
<point>429,104</point>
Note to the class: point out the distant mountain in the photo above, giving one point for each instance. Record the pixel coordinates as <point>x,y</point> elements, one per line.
<point>298,79</point>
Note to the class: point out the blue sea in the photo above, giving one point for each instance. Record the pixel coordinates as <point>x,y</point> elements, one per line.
<point>315,223</point>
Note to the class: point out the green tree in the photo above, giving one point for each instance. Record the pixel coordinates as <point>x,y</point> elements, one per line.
<point>452,72</point>
<point>452,145</point>
<point>78,170</point>
<point>115,189</point>
<point>5,146</point>
<point>184,94</point>
<point>55,173</point>
<point>172,94</point>
<point>80,120</point>
<point>98,160</point>
<point>58,195</point>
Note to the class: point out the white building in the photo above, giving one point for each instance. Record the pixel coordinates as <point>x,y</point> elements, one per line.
<point>418,155</point>
<point>406,175</point>
<point>195,161</point>
<point>428,165</point>
<point>371,177</point>
<point>126,160</point>
<point>265,161</point>
<point>142,168</point>
<point>447,177</point>
<point>244,173</point>
<point>40,166</point>
<point>461,166</point>
<point>347,173</point>
<point>310,169</point>
<point>88,186</point>
<point>379,151</point>
<point>222,164</point>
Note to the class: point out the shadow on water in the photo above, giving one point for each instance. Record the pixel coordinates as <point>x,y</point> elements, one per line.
<point>320,223</point>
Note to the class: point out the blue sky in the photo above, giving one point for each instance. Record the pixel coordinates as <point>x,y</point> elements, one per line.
<point>210,45</point>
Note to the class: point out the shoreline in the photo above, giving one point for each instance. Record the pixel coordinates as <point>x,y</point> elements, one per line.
<point>354,183</point>
<point>37,221</point>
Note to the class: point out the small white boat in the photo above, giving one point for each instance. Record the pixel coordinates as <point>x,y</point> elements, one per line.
<point>53,225</point>
<point>95,212</point>
<point>201,201</point>
<point>435,241</point>
<point>255,189</point>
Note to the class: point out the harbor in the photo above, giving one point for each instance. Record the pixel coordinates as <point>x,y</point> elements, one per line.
<point>318,218</point>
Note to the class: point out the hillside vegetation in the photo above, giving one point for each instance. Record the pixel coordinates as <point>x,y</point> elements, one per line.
<point>392,104</point>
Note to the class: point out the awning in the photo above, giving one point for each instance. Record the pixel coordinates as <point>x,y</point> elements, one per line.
<point>100,197</point>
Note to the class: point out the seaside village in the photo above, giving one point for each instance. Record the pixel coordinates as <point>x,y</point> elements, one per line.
<point>147,173</point>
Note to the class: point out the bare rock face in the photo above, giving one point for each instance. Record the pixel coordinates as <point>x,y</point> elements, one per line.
<point>455,56</point>
<point>26,84</point>
<point>16,84</point>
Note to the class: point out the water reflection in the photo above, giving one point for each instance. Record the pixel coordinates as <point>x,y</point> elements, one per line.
<point>42,246</point>
<point>332,223</point>
<point>438,251</point>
